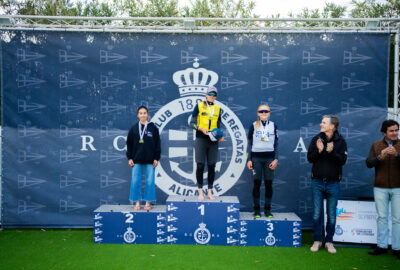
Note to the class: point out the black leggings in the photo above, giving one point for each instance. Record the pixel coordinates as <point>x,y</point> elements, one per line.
<point>260,171</point>
<point>268,189</point>
<point>205,148</point>
<point>199,175</point>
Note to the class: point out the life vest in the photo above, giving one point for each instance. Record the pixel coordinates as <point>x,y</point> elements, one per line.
<point>264,137</point>
<point>203,118</point>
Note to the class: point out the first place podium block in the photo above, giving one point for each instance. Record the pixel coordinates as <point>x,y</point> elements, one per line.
<point>121,224</point>
<point>207,222</point>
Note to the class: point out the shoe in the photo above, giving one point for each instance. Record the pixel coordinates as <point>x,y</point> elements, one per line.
<point>378,251</point>
<point>396,253</point>
<point>268,213</point>
<point>331,249</point>
<point>316,246</point>
<point>257,214</point>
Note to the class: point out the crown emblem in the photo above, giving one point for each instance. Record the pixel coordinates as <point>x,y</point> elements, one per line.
<point>194,80</point>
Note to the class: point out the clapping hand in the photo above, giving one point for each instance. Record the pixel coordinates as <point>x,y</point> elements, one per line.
<point>320,145</point>
<point>329,147</point>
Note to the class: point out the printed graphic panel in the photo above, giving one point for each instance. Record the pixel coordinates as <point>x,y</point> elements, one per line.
<point>69,100</point>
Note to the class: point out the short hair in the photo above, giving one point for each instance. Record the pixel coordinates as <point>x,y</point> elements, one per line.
<point>333,119</point>
<point>388,123</point>
<point>142,107</point>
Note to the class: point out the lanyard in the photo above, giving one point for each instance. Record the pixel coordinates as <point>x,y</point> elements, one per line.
<point>141,134</point>
<point>265,134</point>
<point>209,110</point>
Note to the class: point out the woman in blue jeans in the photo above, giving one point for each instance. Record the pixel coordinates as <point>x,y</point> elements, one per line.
<point>262,159</point>
<point>143,153</point>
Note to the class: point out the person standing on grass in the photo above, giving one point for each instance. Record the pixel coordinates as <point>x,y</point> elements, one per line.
<point>206,117</point>
<point>328,153</point>
<point>384,156</point>
<point>143,153</point>
<point>262,158</point>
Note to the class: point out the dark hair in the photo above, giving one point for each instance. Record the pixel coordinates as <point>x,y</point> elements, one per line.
<point>388,123</point>
<point>142,107</point>
<point>333,119</point>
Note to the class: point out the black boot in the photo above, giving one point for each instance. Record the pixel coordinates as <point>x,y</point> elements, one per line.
<point>257,213</point>
<point>267,211</point>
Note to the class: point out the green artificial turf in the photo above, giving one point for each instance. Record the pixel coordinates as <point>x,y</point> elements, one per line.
<point>74,249</point>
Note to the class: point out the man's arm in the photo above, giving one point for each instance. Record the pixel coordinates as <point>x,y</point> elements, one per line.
<point>339,153</point>
<point>372,159</point>
<point>313,153</point>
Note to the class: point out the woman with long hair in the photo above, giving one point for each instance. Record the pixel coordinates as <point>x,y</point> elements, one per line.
<point>143,152</point>
<point>263,157</point>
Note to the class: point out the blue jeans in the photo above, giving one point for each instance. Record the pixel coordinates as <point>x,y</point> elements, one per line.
<point>382,197</point>
<point>329,190</point>
<point>136,183</point>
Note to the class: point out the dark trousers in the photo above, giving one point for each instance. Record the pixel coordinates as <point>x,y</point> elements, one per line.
<point>205,148</point>
<point>261,170</point>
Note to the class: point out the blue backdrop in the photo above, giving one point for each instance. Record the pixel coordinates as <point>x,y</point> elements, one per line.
<point>69,100</point>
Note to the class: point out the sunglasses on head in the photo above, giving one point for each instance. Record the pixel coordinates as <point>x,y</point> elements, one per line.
<point>263,111</point>
<point>213,94</point>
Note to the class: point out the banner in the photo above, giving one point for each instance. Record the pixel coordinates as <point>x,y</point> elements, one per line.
<point>356,222</point>
<point>70,98</point>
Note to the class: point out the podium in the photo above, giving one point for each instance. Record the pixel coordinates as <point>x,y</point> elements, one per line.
<point>185,220</point>
<point>120,224</point>
<point>190,221</point>
<point>283,230</point>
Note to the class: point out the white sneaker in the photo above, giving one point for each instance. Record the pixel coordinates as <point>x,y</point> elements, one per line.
<point>316,246</point>
<point>331,249</point>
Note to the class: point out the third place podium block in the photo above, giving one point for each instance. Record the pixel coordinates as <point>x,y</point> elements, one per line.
<point>283,230</point>
<point>207,222</point>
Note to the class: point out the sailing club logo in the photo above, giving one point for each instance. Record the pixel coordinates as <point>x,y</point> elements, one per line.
<point>176,174</point>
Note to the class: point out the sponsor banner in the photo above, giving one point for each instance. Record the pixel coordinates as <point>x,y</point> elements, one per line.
<point>356,222</point>
<point>69,99</point>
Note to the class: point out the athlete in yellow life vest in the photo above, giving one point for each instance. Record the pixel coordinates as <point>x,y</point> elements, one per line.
<point>206,116</point>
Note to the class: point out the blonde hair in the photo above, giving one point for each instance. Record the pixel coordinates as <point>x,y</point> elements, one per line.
<point>258,122</point>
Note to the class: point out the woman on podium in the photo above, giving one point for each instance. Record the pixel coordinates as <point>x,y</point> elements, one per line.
<point>206,120</point>
<point>263,157</point>
<point>143,153</point>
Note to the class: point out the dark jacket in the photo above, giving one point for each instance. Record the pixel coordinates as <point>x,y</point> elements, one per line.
<point>327,166</point>
<point>387,171</point>
<point>147,152</point>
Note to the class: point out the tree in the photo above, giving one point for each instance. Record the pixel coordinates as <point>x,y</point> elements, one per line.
<point>146,8</point>
<point>56,8</point>
<point>220,9</point>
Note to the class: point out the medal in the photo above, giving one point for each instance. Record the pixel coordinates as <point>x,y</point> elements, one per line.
<point>141,133</point>
<point>209,110</point>
<point>265,134</point>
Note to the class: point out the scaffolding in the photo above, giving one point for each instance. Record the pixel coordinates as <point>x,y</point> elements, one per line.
<point>214,25</point>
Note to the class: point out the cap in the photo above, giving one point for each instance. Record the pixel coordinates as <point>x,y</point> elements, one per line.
<point>211,89</point>
<point>215,134</point>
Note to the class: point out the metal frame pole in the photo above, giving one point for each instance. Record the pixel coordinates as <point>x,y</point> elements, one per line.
<point>396,77</point>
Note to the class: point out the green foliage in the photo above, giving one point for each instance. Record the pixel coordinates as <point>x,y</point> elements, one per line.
<point>56,8</point>
<point>146,8</point>
<point>220,9</point>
